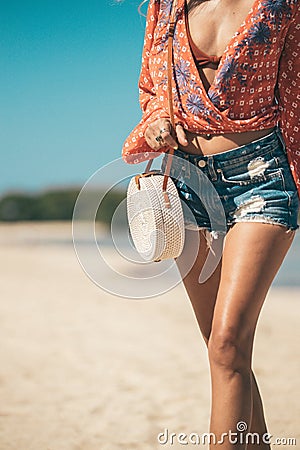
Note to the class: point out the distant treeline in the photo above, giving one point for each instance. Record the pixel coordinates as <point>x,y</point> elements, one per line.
<point>59,205</point>
<point>53,205</point>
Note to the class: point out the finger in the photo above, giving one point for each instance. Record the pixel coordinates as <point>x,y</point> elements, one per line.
<point>169,140</point>
<point>181,136</point>
<point>158,134</point>
<point>150,137</point>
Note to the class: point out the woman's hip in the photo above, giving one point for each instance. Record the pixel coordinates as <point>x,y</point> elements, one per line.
<point>250,182</point>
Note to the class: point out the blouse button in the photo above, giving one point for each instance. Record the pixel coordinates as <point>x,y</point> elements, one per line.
<point>201,163</point>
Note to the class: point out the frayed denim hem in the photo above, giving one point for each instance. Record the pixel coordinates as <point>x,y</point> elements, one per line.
<point>266,219</point>
<point>211,235</point>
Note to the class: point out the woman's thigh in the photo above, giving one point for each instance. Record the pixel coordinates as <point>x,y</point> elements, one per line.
<point>190,264</point>
<point>252,254</point>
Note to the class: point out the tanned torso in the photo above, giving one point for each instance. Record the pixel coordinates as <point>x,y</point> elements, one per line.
<point>212,24</point>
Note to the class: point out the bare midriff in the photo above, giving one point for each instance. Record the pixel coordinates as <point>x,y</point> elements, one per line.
<point>202,145</point>
<point>209,26</point>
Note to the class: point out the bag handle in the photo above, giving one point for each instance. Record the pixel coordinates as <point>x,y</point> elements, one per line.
<point>170,104</point>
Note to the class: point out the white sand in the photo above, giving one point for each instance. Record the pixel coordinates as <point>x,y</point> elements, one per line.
<point>83,370</point>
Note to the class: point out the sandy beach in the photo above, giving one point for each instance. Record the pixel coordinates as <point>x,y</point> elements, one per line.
<point>82,369</point>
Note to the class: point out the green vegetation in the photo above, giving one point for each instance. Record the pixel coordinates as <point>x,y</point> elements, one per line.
<point>58,205</point>
<point>54,205</point>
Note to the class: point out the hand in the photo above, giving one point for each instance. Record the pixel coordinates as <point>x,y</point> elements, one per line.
<point>163,128</point>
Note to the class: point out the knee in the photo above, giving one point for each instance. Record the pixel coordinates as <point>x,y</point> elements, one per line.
<point>230,350</point>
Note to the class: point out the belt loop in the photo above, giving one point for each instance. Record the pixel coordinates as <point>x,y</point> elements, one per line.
<point>280,137</point>
<point>211,167</point>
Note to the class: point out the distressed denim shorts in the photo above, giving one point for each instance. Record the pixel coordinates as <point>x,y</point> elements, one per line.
<point>252,182</point>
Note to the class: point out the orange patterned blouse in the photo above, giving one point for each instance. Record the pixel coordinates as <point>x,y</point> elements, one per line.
<point>256,86</point>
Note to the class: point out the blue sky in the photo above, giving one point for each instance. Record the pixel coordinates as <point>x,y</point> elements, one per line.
<point>68,88</point>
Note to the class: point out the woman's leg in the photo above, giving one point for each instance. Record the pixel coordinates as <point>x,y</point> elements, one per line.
<point>203,298</point>
<point>257,422</point>
<point>252,255</point>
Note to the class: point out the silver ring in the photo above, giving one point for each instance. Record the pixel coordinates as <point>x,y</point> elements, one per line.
<point>164,130</point>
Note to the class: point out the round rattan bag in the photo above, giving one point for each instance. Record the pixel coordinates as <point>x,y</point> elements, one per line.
<point>155,217</point>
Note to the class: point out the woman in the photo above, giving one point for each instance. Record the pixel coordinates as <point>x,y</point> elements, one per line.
<point>236,101</point>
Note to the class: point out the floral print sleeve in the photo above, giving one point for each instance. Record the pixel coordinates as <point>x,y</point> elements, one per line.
<point>150,103</point>
<point>289,95</point>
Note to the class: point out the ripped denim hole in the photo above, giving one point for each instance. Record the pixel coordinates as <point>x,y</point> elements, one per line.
<point>253,205</point>
<point>257,167</point>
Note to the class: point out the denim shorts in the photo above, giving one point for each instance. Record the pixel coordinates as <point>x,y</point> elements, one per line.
<point>252,182</point>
